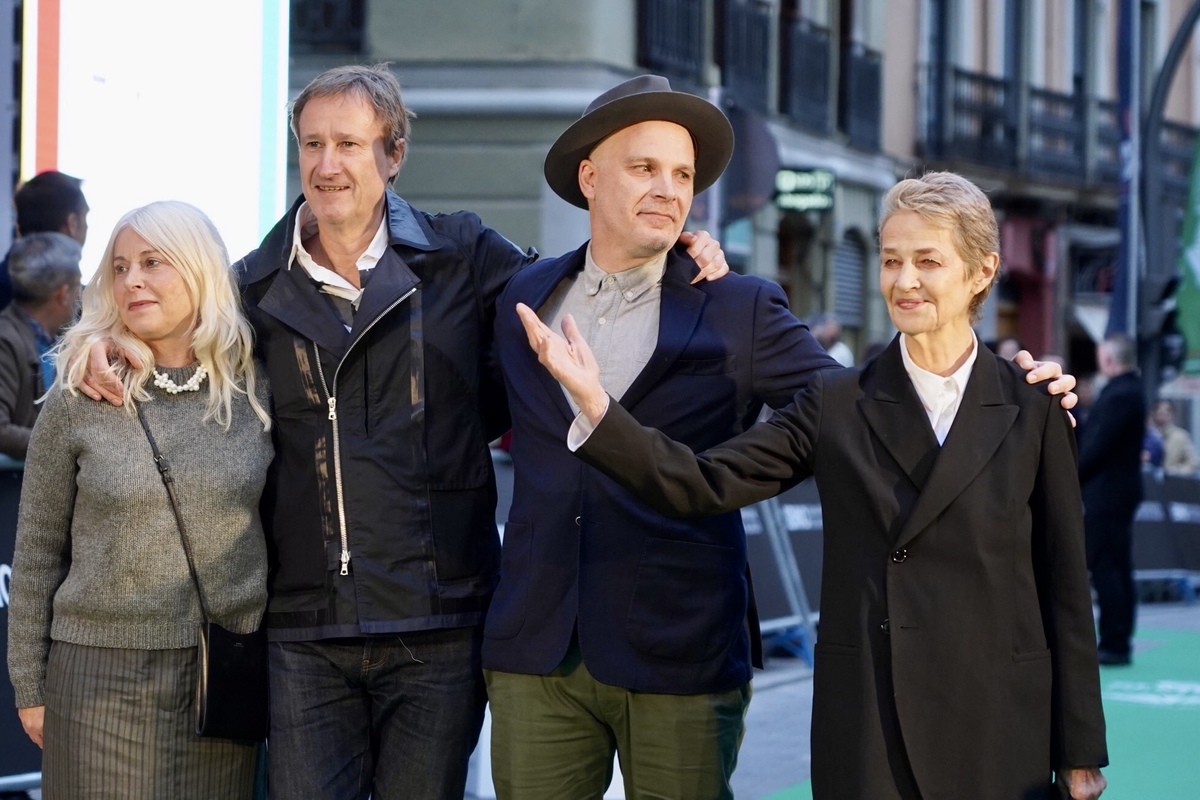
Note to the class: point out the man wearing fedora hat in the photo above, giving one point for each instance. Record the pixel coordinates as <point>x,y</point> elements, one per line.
<point>614,628</point>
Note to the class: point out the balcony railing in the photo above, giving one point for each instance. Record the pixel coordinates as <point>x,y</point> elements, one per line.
<point>979,120</point>
<point>671,38</point>
<point>981,127</point>
<point>1178,149</point>
<point>1055,133</point>
<point>804,75</point>
<point>747,56</point>
<point>327,26</point>
<point>861,96</point>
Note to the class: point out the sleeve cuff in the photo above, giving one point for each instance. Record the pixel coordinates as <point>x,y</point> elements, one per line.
<point>582,428</point>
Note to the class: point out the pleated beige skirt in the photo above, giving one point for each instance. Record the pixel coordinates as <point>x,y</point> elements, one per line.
<point>120,724</point>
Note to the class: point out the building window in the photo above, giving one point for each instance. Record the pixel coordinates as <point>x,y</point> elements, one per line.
<point>849,271</point>
<point>671,38</point>
<point>327,26</point>
<point>860,83</point>
<point>744,45</point>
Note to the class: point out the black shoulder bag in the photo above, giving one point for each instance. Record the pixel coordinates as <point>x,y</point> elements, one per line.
<point>231,676</point>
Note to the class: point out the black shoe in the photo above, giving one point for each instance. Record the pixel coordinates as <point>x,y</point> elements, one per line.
<point>1108,658</point>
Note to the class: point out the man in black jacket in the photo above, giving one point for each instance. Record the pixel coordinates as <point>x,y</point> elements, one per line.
<point>1110,458</point>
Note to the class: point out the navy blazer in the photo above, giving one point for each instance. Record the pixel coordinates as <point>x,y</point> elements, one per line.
<point>660,604</point>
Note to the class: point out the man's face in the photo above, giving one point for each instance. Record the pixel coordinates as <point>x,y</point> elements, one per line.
<point>344,167</point>
<point>1163,415</point>
<point>639,184</point>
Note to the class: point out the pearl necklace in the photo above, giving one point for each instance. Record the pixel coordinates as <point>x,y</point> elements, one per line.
<point>163,381</point>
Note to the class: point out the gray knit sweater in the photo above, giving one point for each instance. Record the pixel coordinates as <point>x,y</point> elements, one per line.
<point>99,559</point>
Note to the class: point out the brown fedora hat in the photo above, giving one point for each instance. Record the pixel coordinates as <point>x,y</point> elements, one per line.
<point>640,99</point>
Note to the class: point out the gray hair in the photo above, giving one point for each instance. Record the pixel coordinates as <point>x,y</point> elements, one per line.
<point>39,263</point>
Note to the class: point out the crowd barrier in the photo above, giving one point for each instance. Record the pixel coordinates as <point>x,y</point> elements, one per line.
<point>20,759</point>
<point>1166,532</point>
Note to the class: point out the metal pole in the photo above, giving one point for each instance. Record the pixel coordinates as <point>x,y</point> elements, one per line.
<point>1131,164</point>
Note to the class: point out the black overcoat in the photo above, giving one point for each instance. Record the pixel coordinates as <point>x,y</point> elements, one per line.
<point>956,655</point>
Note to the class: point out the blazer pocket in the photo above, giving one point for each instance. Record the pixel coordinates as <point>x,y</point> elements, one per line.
<point>506,614</point>
<point>835,649</point>
<point>688,601</point>
<point>1035,655</point>
<point>705,366</point>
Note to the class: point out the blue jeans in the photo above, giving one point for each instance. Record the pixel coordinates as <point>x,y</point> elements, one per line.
<point>387,717</point>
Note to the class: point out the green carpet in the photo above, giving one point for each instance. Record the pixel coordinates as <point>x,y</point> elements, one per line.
<point>1153,713</point>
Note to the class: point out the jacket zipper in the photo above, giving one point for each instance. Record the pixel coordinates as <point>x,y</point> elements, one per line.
<point>331,401</point>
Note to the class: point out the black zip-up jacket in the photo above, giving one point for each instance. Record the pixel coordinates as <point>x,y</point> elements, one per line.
<point>380,504</point>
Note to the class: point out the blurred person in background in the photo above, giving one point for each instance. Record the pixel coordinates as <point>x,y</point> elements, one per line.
<point>1008,347</point>
<point>44,269</point>
<point>1110,471</point>
<point>104,611</point>
<point>49,202</point>
<point>828,332</point>
<point>1179,454</point>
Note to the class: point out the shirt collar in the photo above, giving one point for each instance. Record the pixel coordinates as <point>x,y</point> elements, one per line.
<point>932,387</point>
<point>633,282</point>
<point>306,226</point>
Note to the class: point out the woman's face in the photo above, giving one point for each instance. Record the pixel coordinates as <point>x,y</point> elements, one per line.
<point>923,278</point>
<point>150,294</point>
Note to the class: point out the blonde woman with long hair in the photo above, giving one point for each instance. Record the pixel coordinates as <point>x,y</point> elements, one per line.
<point>104,613</point>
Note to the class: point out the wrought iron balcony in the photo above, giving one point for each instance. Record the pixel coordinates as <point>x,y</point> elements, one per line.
<point>747,53</point>
<point>805,75</point>
<point>982,126</point>
<point>327,26</point>
<point>671,38</point>
<point>1055,134</point>
<point>861,96</point>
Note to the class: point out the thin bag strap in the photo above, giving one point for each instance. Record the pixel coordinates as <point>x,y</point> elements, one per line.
<point>164,471</point>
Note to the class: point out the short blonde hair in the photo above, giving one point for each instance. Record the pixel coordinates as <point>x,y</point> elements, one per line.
<point>954,203</point>
<point>221,337</point>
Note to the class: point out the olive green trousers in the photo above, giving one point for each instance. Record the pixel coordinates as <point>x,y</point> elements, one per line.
<point>554,736</point>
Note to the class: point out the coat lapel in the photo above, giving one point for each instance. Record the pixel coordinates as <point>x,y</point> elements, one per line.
<point>983,420</point>
<point>896,416</point>
<point>544,279</point>
<point>392,279</point>
<point>679,312</point>
<point>294,300</point>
